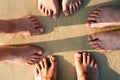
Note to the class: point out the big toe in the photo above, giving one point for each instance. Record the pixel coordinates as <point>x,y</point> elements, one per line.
<point>37,50</point>
<point>66,10</point>
<point>55,13</point>
<point>78,59</point>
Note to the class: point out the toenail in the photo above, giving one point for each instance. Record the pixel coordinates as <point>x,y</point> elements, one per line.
<point>77,55</point>
<point>52,58</point>
<point>66,14</point>
<point>40,53</point>
<point>41,30</point>
<point>54,17</point>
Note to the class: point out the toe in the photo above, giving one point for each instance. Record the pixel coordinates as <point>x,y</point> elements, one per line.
<point>88,58</point>
<point>45,63</point>
<point>92,37</point>
<point>42,64</point>
<point>36,71</point>
<point>32,62</point>
<point>96,42</point>
<point>66,10</point>
<point>37,50</point>
<point>53,62</point>
<point>79,2</point>
<point>36,56</point>
<point>92,19</point>
<point>46,11</point>
<point>70,9</point>
<point>96,45</point>
<point>84,58</point>
<point>38,66</point>
<point>55,13</point>
<point>78,58</point>
<point>40,6</point>
<point>43,9</point>
<point>49,12</point>
<point>74,8</point>
<point>96,66</point>
<point>92,64</point>
<point>97,11</point>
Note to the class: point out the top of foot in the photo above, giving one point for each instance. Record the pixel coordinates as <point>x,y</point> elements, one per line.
<point>46,69</point>
<point>104,17</point>
<point>86,67</point>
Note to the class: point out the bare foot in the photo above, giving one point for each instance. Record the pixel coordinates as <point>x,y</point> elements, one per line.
<point>46,69</point>
<point>28,25</point>
<point>86,67</point>
<point>23,55</point>
<point>49,8</point>
<point>105,40</point>
<point>104,17</point>
<point>70,6</point>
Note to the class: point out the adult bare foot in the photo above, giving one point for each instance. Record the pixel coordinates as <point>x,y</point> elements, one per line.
<point>86,67</point>
<point>49,8</point>
<point>105,40</point>
<point>23,54</point>
<point>46,69</point>
<point>104,17</point>
<point>28,25</point>
<point>70,6</point>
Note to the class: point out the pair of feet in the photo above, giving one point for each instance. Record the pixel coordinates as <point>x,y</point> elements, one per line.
<point>51,7</point>
<point>105,17</point>
<point>86,68</point>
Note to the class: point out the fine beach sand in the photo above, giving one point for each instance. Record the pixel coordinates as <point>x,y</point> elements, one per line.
<point>63,37</point>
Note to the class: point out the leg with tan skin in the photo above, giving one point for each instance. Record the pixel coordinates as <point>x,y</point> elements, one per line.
<point>104,17</point>
<point>49,8</point>
<point>70,6</point>
<point>27,25</point>
<point>22,54</point>
<point>86,67</point>
<point>46,69</point>
<point>105,40</point>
